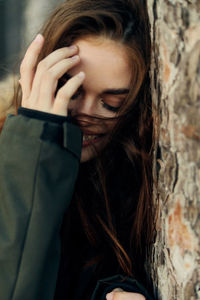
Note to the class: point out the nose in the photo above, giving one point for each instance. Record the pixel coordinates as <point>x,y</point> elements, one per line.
<point>84,105</point>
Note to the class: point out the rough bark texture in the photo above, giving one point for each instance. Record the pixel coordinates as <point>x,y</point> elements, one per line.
<point>176,96</point>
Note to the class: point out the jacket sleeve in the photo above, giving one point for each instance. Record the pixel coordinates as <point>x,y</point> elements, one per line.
<point>39,163</point>
<point>128,284</point>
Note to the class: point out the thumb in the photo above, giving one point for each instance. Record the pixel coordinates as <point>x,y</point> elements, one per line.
<point>110,295</point>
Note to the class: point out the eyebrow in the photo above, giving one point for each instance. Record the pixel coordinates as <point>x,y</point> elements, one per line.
<point>123,91</point>
<point>116,91</point>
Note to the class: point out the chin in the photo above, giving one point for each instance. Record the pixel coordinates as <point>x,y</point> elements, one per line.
<point>87,154</point>
<point>91,151</point>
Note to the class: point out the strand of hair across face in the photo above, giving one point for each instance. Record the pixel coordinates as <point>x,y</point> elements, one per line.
<point>122,257</point>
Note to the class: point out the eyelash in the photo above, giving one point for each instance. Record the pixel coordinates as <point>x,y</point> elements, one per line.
<point>109,107</point>
<point>104,104</point>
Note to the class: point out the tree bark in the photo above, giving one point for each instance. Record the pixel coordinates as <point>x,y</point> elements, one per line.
<point>175,85</point>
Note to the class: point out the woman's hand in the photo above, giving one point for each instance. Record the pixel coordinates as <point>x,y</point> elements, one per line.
<point>39,82</point>
<point>119,294</point>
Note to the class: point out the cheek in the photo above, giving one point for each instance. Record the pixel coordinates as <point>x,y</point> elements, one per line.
<point>73,105</point>
<point>111,124</point>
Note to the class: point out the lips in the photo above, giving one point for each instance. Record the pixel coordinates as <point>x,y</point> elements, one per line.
<point>89,138</point>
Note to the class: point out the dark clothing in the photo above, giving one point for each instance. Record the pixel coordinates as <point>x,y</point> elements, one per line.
<point>39,163</point>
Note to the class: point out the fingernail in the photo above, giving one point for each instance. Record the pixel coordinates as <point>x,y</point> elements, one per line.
<point>38,38</point>
<point>73,47</point>
<point>74,58</point>
<point>109,296</point>
<point>81,75</point>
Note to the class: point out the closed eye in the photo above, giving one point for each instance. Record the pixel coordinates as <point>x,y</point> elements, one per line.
<point>109,107</point>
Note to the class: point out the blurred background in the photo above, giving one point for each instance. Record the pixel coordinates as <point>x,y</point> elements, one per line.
<point>20,21</point>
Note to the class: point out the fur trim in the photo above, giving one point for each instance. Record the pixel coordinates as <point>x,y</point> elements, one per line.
<point>6,98</point>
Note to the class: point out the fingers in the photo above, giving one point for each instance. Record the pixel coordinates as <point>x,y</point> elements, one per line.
<point>49,80</point>
<point>29,68</point>
<point>51,60</point>
<point>56,56</point>
<point>121,295</point>
<point>28,65</point>
<point>66,92</point>
<point>39,82</point>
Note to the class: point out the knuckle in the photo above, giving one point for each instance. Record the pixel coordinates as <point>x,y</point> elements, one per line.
<point>48,75</point>
<point>59,52</point>
<point>64,51</point>
<point>42,65</point>
<point>68,61</point>
<point>61,95</point>
<point>35,48</point>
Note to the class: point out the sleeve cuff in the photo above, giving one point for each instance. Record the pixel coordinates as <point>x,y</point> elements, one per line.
<point>43,116</point>
<point>107,285</point>
<point>69,136</point>
<point>66,135</point>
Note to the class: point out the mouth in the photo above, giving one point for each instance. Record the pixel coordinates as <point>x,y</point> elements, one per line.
<point>89,139</point>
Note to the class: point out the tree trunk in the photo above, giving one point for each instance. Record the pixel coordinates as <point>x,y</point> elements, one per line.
<point>175,76</point>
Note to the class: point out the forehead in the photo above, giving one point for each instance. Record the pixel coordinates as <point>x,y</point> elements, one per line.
<point>104,62</point>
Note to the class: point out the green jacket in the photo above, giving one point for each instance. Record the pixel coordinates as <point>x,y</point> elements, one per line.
<point>39,163</point>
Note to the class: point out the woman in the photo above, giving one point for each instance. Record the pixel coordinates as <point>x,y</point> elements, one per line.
<point>71,231</point>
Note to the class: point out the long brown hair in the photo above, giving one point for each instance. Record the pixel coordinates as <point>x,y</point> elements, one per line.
<point>130,150</point>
